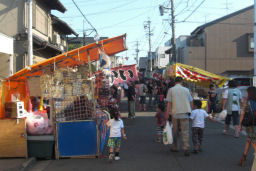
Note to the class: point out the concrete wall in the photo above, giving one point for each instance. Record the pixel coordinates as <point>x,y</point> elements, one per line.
<point>11,17</point>
<point>4,67</point>
<point>196,57</point>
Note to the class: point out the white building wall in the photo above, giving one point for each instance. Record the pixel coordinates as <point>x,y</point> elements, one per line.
<point>6,55</point>
<point>162,59</point>
<point>6,44</point>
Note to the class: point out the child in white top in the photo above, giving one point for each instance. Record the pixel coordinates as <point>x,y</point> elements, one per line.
<point>116,132</point>
<point>198,116</point>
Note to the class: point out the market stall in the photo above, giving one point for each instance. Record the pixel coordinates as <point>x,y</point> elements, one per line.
<point>196,76</point>
<point>59,93</point>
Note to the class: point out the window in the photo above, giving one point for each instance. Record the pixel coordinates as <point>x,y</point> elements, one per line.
<point>250,42</point>
<point>40,19</point>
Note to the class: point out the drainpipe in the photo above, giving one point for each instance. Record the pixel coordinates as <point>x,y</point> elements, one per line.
<point>11,65</point>
<point>30,37</point>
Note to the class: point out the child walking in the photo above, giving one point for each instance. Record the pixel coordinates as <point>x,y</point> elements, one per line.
<point>198,116</point>
<point>161,121</point>
<point>116,132</point>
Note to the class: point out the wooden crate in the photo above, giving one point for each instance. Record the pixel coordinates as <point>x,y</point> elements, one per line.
<point>13,141</point>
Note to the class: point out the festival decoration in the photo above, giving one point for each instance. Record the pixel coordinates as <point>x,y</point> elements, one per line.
<point>124,74</point>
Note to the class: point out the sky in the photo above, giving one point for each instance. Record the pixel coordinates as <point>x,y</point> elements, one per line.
<point>116,17</point>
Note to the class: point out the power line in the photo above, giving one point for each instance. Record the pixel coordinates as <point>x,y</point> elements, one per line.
<point>183,9</point>
<point>121,22</point>
<point>85,17</point>
<point>194,10</point>
<point>108,12</point>
<point>165,26</point>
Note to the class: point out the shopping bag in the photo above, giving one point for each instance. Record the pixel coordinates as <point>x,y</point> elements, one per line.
<point>223,114</point>
<point>167,134</point>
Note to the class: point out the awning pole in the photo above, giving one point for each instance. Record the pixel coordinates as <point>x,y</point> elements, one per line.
<point>254,40</point>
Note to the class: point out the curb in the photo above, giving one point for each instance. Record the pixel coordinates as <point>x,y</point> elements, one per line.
<point>28,164</point>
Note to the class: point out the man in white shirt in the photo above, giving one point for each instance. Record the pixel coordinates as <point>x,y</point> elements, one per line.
<point>179,106</point>
<point>232,98</point>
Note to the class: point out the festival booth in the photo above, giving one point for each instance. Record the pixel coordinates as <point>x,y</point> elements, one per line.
<point>196,76</point>
<point>51,105</point>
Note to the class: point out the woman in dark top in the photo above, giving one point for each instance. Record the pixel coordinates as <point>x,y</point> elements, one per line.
<point>212,100</point>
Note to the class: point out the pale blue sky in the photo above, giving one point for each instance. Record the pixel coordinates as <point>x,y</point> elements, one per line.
<point>115,17</point>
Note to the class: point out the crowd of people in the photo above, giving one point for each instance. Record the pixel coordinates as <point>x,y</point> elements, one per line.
<point>174,103</point>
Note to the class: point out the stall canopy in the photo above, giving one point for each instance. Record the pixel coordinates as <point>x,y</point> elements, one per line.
<point>196,75</point>
<point>17,83</point>
<point>75,57</point>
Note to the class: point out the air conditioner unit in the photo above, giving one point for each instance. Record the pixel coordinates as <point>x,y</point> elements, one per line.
<point>61,47</point>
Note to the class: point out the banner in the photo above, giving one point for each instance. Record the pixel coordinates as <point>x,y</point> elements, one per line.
<point>124,74</point>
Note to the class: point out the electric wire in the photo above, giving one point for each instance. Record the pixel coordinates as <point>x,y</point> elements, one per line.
<point>85,17</point>
<point>194,10</point>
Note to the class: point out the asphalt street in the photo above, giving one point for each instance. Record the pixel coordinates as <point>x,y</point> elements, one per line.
<point>140,153</point>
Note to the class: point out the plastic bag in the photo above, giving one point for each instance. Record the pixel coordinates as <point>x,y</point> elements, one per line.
<point>38,123</point>
<point>167,134</point>
<point>223,114</point>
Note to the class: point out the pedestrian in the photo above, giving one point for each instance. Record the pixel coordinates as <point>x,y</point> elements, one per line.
<point>131,100</point>
<point>179,106</point>
<point>212,100</point>
<point>232,98</point>
<point>137,101</point>
<point>143,93</point>
<point>198,116</point>
<point>150,87</point>
<point>161,121</point>
<point>116,133</point>
<point>249,105</point>
<point>113,101</point>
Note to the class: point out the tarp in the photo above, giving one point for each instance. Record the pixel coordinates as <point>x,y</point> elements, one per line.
<point>17,83</point>
<point>196,75</point>
<point>75,57</point>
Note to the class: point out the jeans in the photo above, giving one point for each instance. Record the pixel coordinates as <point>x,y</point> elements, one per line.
<point>150,96</point>
<point>184,126</point>
<point>131,108</point>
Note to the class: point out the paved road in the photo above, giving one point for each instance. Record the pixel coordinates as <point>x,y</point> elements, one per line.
<point>139,152</point>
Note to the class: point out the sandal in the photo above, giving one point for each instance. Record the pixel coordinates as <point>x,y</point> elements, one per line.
<point>241,162</point>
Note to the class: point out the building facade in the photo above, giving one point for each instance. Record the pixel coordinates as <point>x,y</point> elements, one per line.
<point>222,45</point>
<point>49,32</point>
<point>162,59</point>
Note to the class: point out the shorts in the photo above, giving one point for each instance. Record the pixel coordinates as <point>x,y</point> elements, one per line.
<point>114,142</point>
<point>235,116</point>
<point>142,99</point>
<point>159,130</point>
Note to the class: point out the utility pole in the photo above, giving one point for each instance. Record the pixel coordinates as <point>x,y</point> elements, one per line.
<point>30,36</point>
<point>173,39</point>
<point>173,33</point>
<point>147,26</point>
<point>137,52</point>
